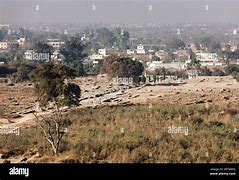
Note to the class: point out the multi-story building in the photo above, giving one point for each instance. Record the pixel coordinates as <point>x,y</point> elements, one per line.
<point>151,66</point>
<point>21,41</point>
<point>208,59</point>
<point>3,45</point>
<point>56,43</point>
<point>140,49</point>
<point>102,52</point>
<point>130,52</point>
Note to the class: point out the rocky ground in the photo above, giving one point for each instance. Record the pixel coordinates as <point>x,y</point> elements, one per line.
<point>18,102</point>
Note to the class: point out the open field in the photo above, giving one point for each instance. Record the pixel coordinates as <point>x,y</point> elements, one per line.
<point>135,134</point>
<point>130,124</point>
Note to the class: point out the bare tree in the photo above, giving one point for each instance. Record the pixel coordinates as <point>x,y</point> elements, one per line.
<point>53,89</point>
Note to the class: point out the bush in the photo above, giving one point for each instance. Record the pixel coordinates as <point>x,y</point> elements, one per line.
<point>184,144</point>
<point>215,123</point>
<point>232,68</point>
<point>180,74</point>
<point>23,73</point>
<point>218,72</point>
<point>122,67</point>
<point>155,58</point>
<point>235,75</point>
<point>5,71</point>
<point>197,120</point>
<point>235,136</point>
<point>205,72</point>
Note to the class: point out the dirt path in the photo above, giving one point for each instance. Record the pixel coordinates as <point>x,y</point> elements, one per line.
<point>25,121</point>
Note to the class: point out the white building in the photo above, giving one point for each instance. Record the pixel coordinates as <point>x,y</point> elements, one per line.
<point>3,45</point>
<point>56,43</point>
<point>84,38</point>
<point>102,52</point>
<point>151,66</point>
<point>234,48</point>
<point>151,51</point>
<point>140,49</point>
<point>65,32</point>
<point>96,57</point>
<point>130,52</point>
<point>208,59</point>
<point>21,41</point>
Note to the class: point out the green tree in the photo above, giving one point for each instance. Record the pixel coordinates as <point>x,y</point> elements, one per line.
<point>73,50</point>
<point>78,67</point>
<point>23,72</point>
<point>197,45</point>
<point>194,62</point>
<point>3,33</point>
<point>52,86</point>
<point>121,38</point>
<point>175,43</point>
<point>105,37</point>
<point>211,43</point>
<point>155,48</point>
<point>155,58</point>
<point>161,71</point>
<point>122,67</point>
<point>41,47</point>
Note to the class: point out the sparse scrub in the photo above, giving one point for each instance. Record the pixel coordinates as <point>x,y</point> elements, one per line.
<point>137,134</point>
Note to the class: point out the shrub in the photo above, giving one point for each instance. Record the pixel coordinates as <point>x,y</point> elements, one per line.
<point>215,123</point>
<point>204,71</point>
<point>235,136</point>
<point>218,72</point>
<point>6,70</point>
<point>197,120</point>
<point>184,144</point>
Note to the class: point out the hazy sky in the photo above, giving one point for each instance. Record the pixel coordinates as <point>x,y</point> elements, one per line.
<point>115,11</point>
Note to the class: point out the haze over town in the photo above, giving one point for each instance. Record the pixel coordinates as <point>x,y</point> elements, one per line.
<point>119,11</point>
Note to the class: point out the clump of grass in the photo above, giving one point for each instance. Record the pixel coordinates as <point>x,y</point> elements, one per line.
<point>197,120</point>
<point>184,143</point>
<point>216,124</point>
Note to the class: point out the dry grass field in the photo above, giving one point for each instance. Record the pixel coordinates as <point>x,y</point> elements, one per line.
<point>134,126</point>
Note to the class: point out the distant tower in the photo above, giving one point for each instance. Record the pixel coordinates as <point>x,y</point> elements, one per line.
<point>65,32</point>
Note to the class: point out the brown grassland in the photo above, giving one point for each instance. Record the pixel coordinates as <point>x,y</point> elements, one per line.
<point>137,134</point>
